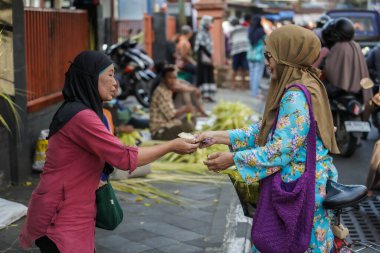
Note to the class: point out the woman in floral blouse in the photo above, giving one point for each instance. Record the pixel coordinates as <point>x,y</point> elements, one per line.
<point>259,153</point>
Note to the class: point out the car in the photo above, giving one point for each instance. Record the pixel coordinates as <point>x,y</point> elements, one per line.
<point>366,23</point>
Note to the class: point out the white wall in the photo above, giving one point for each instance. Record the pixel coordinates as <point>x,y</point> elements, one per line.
<point>106,8</point>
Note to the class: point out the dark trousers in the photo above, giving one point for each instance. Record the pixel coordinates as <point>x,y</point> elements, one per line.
<point>46,245</point>
<point>191,70</point>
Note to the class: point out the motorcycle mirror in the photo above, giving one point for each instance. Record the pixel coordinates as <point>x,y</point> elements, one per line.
<point>366,83</point>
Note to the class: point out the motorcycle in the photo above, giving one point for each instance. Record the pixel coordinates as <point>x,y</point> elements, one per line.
<point>347,110</point>
<point>132,71</point>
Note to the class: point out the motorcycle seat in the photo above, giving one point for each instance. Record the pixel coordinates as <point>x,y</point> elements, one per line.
<point>340,196</point>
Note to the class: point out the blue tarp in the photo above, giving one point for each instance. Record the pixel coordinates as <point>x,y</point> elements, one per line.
<point>282,15</point>
<point>288,15</point>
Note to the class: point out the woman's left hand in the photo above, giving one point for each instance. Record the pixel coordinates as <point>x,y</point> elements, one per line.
<point>219,161</point>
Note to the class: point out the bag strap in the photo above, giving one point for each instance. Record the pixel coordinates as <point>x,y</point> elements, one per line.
<point>311,157</point>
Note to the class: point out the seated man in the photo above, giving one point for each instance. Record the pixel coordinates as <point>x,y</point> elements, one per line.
<point>185,93</point>
<point>165,119</point>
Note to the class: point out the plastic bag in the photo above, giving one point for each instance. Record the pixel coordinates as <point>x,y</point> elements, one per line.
<point>40,151</point>
<point>130,139</point>
<point>10,212</point>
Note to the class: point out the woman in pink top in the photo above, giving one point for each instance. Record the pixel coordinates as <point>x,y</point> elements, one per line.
<point>62,211</point>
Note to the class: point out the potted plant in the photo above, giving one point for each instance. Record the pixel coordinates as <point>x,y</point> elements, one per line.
<point>12,107</point>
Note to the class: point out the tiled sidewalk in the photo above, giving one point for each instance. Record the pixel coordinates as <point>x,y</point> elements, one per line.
<point>201,226</point>
<point>211,221</point>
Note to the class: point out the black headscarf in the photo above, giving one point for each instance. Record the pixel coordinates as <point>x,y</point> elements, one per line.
<point>256,30</point>
<point>81,88</point>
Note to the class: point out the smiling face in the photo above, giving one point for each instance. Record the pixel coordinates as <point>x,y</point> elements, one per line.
<point>271,65</point>
<point>107,85</point>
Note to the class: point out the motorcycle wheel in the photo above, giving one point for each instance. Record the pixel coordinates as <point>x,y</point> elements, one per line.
<point>347,143</point>
<point>142,92</point>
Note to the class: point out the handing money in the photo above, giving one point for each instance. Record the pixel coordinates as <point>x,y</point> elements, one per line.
<point>190,136</point>
<point>187,136</point>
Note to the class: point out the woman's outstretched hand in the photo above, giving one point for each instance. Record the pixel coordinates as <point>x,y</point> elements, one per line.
<point>184,146</point>
<point>180,146</point>
<point>209,138</point>
<point>219,161</point>
<point>206,139</point>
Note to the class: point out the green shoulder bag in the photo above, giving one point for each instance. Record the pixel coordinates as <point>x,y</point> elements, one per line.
<point>109,213</point>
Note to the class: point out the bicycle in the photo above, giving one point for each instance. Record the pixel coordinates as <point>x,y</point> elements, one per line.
<point>339,197</point>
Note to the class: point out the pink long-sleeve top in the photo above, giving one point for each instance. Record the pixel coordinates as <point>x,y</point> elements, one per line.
<point>62,206</point>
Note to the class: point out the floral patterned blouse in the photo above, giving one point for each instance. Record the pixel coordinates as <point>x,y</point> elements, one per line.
<point>286,151</point>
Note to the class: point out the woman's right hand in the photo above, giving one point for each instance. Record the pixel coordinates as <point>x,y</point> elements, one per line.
<point>183,146</point>
<point>209,138</point>
<point>206,139</point>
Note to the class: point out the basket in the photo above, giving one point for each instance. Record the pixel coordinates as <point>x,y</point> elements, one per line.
<point>248,193</point>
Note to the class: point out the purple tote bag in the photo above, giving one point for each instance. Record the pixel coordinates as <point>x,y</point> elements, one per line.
<point>285,212</point>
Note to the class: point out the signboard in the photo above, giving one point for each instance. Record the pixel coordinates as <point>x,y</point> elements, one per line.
<point>173,9</point>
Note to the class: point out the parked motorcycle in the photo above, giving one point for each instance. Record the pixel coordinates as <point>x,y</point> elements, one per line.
<point>132,71</point>
<point>347,110</point>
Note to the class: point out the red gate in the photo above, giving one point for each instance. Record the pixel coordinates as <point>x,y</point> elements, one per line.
<point>52,39</point>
